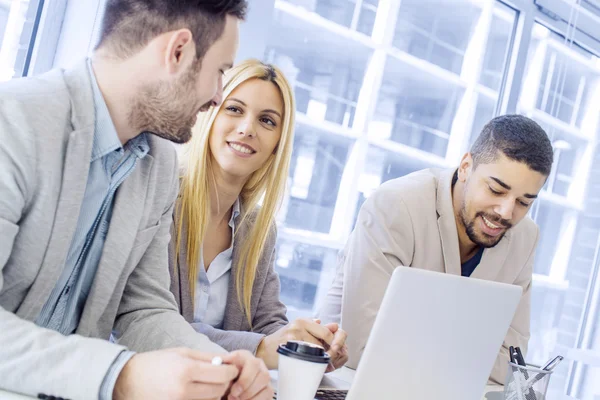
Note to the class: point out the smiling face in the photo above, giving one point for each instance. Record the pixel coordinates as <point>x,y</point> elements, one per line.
<point>493,197</point>
<point>169,107</point>
<point>247,128</point>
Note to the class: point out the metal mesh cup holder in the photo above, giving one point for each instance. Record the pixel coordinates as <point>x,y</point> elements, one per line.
<point>526,383</point>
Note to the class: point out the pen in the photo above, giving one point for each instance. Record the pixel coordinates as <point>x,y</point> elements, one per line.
<point>519,357</point>
<point>530,395</point>
<point>550,365</point>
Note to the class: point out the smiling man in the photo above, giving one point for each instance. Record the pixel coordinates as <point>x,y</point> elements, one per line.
<point>469,221</point>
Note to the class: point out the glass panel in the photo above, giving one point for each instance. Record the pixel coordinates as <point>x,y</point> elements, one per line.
<point>560,90</point>
<point>591,382</point>
<point>561,80</point>
<point>442,32</point>
<point>381,166</point>
<point>563,258</point>
<point>438,31</point>
<point>503,20</point>
<point>422,105</point>
<point>354,14</point>
<point>306,272</point>
<point>366,19</point>
<point>568,152</point>
<point>317,166</point>
<point>415,108</point>
<point>550,218</point>
<point>17,19</point>
<point>483,114</point>
<point>328,70</point>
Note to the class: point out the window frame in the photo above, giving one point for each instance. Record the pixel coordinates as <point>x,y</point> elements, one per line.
<point>48,16</point>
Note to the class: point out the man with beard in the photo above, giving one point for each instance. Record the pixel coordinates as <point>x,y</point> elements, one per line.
<point>87,186</point>
<point>469,221</point>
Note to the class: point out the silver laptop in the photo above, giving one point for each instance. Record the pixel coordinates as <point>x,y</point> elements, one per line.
<point>436,336</point>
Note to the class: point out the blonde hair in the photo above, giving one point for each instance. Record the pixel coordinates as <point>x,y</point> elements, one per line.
<point>197,175</point>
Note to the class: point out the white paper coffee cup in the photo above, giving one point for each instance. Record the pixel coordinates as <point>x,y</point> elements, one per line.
<point>301,368</point>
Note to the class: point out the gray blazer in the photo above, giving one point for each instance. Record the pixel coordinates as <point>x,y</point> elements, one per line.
<point>268,313</point>
<point>46,133</point>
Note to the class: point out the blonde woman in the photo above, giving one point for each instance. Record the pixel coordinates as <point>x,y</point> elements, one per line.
<point>223,244</point>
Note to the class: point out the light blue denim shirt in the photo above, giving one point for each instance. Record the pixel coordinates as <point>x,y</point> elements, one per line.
<point>110,164</point>
<point>212,287</point>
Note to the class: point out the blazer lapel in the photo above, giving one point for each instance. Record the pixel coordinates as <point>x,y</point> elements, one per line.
<point>234,315</point>
<point>74,181</point>
<point>447,224</point>
<point>122,232</point>
<point>493,260</point>
<point>75,173</point>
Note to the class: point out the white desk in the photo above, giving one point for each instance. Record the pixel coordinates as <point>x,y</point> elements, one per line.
<point>12,396</point>
<point>342,379</point>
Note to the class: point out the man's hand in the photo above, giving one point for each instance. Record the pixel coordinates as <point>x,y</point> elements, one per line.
<point>338,351</point>
<point>254,381</point>
<point>178,374</point>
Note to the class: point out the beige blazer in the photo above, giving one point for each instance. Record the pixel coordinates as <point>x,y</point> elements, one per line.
<point>410,221</point>
<point>46,135</point>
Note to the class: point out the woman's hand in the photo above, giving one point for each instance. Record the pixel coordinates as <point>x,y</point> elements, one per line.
<point>330,336</point>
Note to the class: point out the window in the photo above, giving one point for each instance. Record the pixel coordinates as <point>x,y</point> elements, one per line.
<point>357,15</point>
<point>561,90</point>
<point>383,89</point>
<point>18,24</point>
<point>316,171</point>
<point>447,59</point>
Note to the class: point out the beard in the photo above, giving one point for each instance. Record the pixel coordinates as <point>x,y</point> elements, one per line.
<point>482,239</point>
<point>168,110</point>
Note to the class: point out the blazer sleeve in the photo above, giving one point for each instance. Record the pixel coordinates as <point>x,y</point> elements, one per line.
<point>230,340</point>
<point>148,317</point>
<point>382,240</point>
<point>519,331</point>
<point>36,360</point>
<point>331,309</point>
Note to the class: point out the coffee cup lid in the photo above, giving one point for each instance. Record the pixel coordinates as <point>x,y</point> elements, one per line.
<point>304,351</point>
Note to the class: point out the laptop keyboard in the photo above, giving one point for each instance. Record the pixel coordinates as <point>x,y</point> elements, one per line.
<point>327,395</point>
<point>331,394</point>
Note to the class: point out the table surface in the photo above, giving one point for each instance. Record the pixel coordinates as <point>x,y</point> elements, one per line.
<point>340,379</point>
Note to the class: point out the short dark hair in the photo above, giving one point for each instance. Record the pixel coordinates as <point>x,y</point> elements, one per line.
<point>129,25</point>
<point>517,137</point>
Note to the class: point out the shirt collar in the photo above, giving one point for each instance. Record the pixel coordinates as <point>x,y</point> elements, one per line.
<point>106,139</point>
<point>234,214</point>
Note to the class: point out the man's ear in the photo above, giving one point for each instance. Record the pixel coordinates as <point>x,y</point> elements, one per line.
<point>466,167</point>
<point>180,51</point>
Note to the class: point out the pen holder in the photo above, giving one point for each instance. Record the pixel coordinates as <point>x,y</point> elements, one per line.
<point>526,383</point>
